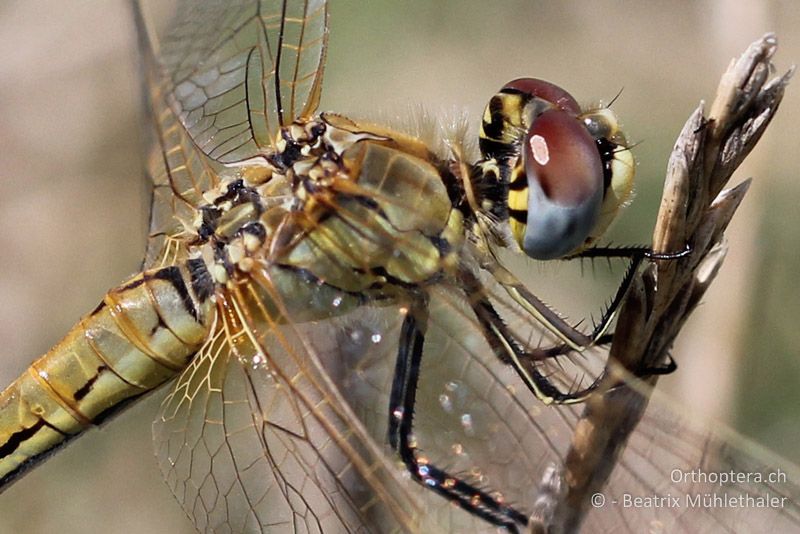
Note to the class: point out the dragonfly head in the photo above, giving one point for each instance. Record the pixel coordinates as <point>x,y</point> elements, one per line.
<point>566,171</point>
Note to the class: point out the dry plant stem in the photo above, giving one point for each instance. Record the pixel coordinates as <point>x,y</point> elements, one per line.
<point>695,211</point>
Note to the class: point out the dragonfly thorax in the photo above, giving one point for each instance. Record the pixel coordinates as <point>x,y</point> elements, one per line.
<point>234,227</point>
<point>373,199</point>
<point>228,229</point>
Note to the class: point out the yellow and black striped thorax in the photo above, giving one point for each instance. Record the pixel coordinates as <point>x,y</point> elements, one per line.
<point>501,183</point>
<point>502,124</point>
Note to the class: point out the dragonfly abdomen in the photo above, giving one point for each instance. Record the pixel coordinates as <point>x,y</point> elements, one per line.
<point>142,334</point>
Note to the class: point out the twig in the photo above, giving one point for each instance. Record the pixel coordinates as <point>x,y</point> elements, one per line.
<point>695,210</point>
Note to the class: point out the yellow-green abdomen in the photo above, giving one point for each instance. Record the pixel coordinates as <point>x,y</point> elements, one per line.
<point>141,335</point>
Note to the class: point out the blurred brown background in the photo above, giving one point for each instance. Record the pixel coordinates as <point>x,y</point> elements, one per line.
<point>72,202</point>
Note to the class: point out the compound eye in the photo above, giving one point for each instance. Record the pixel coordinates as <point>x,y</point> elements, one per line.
<point>511,111</point>
<point>564,185</point>
<point>546,91</point>
<point>562,157</point>
<point>568,171</point>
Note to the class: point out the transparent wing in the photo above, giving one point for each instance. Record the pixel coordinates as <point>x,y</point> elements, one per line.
<point>206,107</point>
<point>239,70</point>
<point>476,419</point>
<point>281,421</point>
<point>254,438</point>
<point>676,474</point>
<point>178,172</point>
<point>281,417</point>
<point>681,474</point>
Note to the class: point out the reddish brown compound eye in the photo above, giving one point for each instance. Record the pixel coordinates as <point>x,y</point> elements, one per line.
<point>546,91</point>
<point>562,157</point>
<point>565,185</point>
<point>563,170</point>
<point>559,163</point>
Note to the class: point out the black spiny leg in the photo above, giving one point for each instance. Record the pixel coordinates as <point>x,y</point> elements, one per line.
<point>526,361</point>
<point>401,419</point>
<point>636,255</point>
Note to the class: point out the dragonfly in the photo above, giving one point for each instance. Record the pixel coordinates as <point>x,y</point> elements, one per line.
<point>281,419</point>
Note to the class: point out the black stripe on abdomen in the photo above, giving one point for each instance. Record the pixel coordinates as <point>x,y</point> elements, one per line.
<point>21,436</point>
<point>173,276</point>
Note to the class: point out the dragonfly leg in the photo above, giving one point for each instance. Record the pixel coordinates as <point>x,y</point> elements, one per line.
<point>525,361</point>
<point>555,351</point>
<point>636,255</point>
<point>540,312</point>
<point>631,252</point>
<point>667,368</point>
<point>401,419</point>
